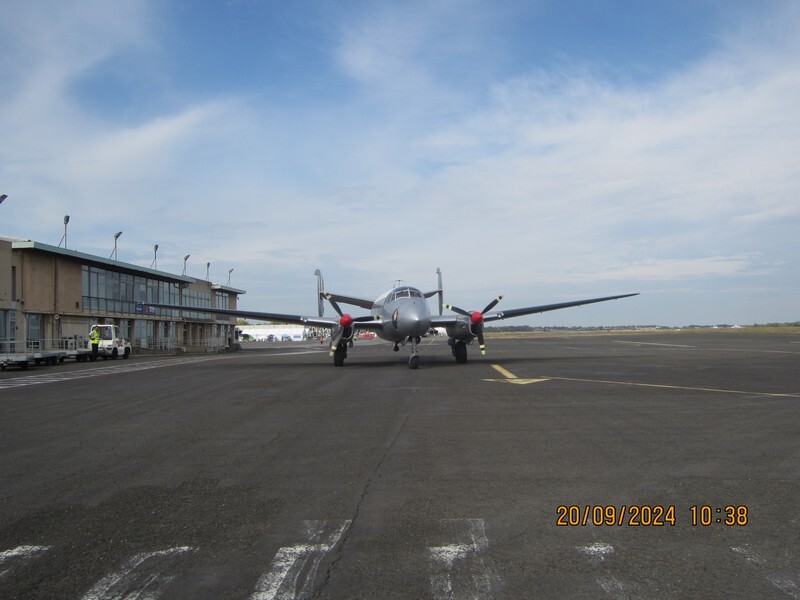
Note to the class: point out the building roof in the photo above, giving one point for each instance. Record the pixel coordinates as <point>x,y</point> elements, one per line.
<point>105,262</point>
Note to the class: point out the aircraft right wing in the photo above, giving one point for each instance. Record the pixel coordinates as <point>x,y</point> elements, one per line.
<point>365,322</point>
<point>352,300</point>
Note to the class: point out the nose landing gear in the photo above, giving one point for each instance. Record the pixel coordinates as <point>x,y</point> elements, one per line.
<point>413,361</point>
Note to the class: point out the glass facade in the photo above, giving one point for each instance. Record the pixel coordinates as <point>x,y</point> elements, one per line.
<point>120,293</point>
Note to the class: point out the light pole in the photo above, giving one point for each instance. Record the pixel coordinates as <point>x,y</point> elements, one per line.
<point>185,258</point>
<point>64,238</point>
<point>229,276</point>
<point>154,264</point>
<point>114,251</point>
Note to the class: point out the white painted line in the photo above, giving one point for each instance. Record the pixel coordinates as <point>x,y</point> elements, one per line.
<point>598,549</point>
<point>98,371</point>
<point>652,344</point>
<point>10,559</point>
<point>612,586</point>
<point>785,584</point>
<point>283,579</point>
<point>678,387</point>
<point>140,577</point>
<point>749,555</point>
<point>753,350</point>
<point>460,570</point>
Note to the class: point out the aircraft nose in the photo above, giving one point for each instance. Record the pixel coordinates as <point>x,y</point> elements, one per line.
<point>412,320</point>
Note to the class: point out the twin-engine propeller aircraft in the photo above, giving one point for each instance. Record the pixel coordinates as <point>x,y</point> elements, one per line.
<point>401,315</point>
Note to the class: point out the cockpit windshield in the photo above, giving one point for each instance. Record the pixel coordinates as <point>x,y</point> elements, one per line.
<point>406,293</point>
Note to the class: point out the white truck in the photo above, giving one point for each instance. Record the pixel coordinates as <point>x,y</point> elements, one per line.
<point>112,344</point>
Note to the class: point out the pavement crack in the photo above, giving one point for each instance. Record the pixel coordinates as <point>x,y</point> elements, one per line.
<point>337,555</point>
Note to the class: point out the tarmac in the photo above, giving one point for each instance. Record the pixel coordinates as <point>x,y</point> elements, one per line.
<point>603,466</point>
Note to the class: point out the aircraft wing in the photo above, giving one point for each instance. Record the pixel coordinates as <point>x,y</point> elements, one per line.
<point>445,320</point>
<point>352,300</point>
<point>530,310</point>
<point>261,316</point>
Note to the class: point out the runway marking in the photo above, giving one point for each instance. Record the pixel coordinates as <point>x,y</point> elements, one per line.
<point>782,582</point>
<point>141,576</point>
<point>707,349</point>
<point>98,371</point>
<point>509,377</point>
<point>653,344</point>
<point>678,387</point>
<point>10,559</point>
<point>598,549</point>
<point>459,570</point>
<point>283,580</point>
<point>611,585</point>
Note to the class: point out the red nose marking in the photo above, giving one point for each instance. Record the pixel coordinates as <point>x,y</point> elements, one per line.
<point>345,320</point>
<point>476,318</point>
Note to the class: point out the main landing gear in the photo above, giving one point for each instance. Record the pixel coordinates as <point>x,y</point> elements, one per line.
<point>460,351</point>
<point>339,355</point>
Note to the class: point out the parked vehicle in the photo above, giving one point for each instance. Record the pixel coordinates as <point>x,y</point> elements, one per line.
<point>112,344</point>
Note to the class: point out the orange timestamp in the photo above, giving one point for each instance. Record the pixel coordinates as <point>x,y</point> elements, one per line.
<point>648,515</point>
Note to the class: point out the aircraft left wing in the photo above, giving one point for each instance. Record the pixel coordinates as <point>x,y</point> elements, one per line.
<point>445,320</point>
<point>518,312</point>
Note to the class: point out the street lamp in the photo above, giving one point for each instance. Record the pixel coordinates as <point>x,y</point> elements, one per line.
<point>185,258</point>
<point>229,276</point>
<point>64,238</point>
<point>114,251</point>
<point>154,264</point>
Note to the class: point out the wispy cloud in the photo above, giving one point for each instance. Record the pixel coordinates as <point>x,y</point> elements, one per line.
<point>439,141</point>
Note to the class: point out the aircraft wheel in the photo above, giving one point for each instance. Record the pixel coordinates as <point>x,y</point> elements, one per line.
<point>460,351</point>
<point>413,362</point>
<point>339,356</point>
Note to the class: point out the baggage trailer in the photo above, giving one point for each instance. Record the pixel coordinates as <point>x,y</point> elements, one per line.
<point>20,359</point>
<point>33,353</point>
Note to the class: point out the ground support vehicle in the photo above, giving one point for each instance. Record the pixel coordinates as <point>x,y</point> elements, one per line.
<point>112,344</point>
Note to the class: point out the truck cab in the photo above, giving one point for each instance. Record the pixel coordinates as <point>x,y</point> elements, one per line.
<point>112,344</point>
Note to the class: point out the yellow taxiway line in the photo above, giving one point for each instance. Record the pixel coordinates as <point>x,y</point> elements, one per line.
<point>509,377</point>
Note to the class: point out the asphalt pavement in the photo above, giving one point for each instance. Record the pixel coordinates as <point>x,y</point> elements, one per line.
<point>599,466</point>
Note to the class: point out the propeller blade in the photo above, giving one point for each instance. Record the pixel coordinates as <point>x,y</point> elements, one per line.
<point>345,323</point>
<point>476,319</point>
<point>334,304</point>
<point>337,337</point>
<point>481,345</point>
<point>455,309</point>
<point>491,305</point>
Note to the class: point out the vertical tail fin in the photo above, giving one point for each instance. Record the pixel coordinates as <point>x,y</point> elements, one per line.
<point>441,291</point>
<point>320,292</point>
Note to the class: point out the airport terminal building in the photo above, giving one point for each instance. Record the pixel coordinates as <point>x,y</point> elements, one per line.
<point>50,297</point>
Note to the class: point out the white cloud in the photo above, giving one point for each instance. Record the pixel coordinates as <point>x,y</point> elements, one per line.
<point>550,177</point>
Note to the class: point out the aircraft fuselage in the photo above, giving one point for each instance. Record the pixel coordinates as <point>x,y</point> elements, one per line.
<point>403,312</point>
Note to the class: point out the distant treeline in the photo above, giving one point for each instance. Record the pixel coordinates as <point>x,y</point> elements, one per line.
<point>530,328</point>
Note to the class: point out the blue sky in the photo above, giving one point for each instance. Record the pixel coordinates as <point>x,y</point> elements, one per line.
<point>545,150</point>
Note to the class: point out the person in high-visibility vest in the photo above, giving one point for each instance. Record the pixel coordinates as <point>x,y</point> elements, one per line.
<point>94,339</point>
